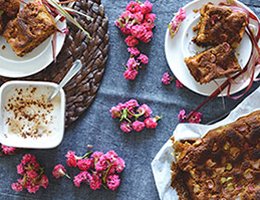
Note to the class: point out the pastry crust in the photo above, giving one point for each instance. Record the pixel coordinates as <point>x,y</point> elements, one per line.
<point>10,7</point>
<point>32,26</point>
<point>1,24</point>
<point>213,63</point>
<point>224,164</point>
<point>220,24</point>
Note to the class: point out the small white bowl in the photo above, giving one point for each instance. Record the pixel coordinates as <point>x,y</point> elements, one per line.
<point>56,126</point>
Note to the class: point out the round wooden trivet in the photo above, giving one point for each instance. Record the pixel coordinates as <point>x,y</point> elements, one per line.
<point>82,89</point>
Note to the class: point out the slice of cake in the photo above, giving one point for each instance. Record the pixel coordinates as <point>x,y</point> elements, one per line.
<point>220,24</point>
<point>1,23</point>
<point>32,26</point>
<point>224,164</point>
<point>213,63</point>
<point>10,7</point>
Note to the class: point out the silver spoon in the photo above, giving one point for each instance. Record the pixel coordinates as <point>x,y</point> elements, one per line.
<point>71,73</point>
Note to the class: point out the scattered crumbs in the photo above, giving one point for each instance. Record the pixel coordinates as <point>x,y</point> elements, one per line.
<point>3,47</point>
<point>195,10</point>
<point>29,113</point>
<point>187,34</point>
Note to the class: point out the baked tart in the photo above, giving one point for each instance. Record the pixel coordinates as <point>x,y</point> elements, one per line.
<point>10,7</point>
<point>33,25</point>
<point>220,24</point>
<point>224,164</point>
<point>213,63</point>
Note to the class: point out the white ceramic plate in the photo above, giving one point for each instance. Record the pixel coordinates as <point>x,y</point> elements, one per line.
<point>180,46</point>
<point>56,125</point>
<point>33,62</point>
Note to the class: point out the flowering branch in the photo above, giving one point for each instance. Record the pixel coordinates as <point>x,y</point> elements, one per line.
<point>96,169</point>
<point>133,116</point>
<point>137,23</point>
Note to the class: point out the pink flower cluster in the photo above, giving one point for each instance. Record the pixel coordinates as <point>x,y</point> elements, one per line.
<point>134,63</point>
<point>167,79</point>
<point>137,23</point>
<point>195,117</point>
<point>96,169</point>
<point>5,150</point>
<point>176,22</point>
<point>133,116</point>
<point>32,173</point>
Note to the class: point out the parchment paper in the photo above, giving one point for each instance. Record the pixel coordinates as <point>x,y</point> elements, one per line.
<point>161,165</point>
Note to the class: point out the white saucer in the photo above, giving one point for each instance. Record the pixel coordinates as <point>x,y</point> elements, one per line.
<point>13,66</point>
<point>181,46</point>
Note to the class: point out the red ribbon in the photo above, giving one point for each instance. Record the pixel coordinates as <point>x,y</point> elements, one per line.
<point>250,66</point>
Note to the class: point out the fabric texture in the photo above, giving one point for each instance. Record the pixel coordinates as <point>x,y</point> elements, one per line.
<point>97,128</point>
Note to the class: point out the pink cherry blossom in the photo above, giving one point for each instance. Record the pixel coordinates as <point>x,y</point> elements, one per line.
<point>71,159</point>
<point>138,126</point>
<point>133,7</point>
<point>120,165</point>
<point>8,150</point>
<point>146,7</point>
<point>131,104</point>
<point>131,41</point>
<point>130,74</point>
<point>127,15</point>
<point>166,78</point>
<point>32,174</point>
<point>132,64</point>
<point>178,84</point>
<point>28,158</point>
<point>195,118</point>
<point>44,181</point>
<point>176,22</point>
<point>115,112</point>
<point>117,166</point>
<point>82,177</point>
<point>145,109</point>
<point>147,37</point>
<point>150,123</point>
<point>17,187</point>
<point>33,188</point>
<point>20,169</point>
<point>148,26</point>
<point>133,51</point>
<point>138,31</point>
<point>77,181</point>
<point>96,155</point>
<point>182,115</point>
<point>59,171</point>
<point>121,106</point>
<point>143,59</point>
<point>181,15</point>
<point>150,18</point>
<point>95,182</point>
<point>85,164</point>
<point>126,127</point>
<point>126,30</point>
<point>113,182</point>
<point>138,16</point>
<point>111,156</point>
<point>102,164</point>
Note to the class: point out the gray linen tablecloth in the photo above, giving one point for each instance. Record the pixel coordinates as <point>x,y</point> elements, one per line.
<point>97,128</point>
